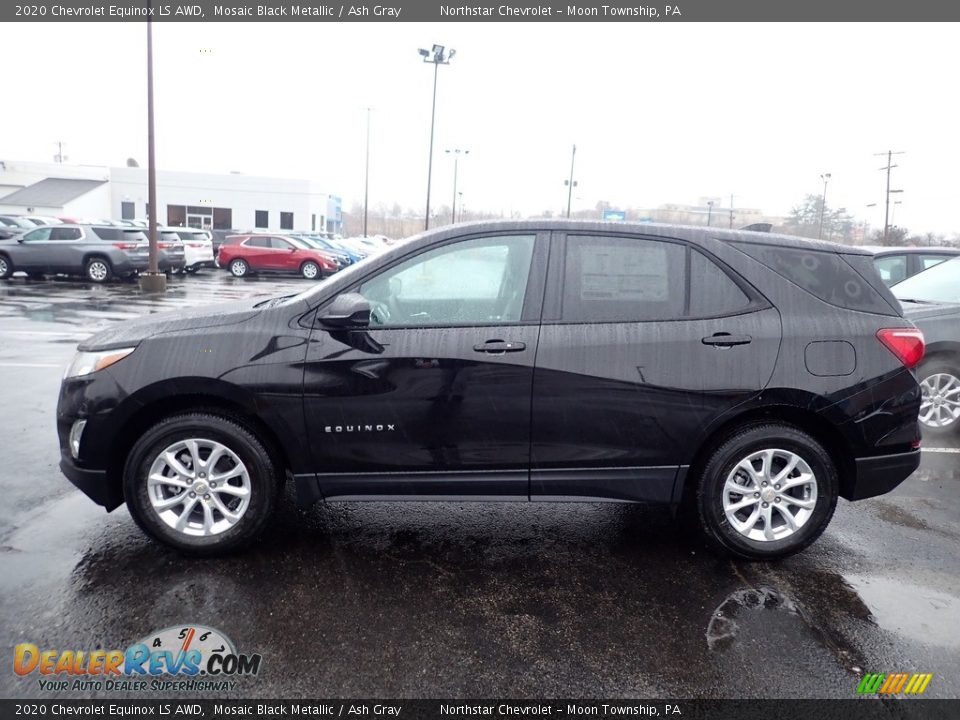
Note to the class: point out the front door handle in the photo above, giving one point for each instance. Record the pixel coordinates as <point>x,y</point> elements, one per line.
<point>722,339</point>
<point>499,346</point>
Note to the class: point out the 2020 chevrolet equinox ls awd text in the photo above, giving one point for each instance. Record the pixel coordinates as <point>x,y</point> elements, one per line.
<point>754,377</point>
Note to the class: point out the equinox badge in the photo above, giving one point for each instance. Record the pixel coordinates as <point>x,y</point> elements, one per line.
<point>358,428</point>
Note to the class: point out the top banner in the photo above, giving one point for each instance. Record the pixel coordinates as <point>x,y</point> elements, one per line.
<point>474,11</point>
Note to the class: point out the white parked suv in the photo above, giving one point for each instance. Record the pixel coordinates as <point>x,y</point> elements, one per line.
<point>197,248</point>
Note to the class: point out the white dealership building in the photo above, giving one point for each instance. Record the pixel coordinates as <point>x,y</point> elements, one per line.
<point>206,200</point>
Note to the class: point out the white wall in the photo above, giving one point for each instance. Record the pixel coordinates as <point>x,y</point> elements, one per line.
<point>243,194</point>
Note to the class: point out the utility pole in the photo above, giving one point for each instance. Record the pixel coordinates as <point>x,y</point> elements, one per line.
<point>59,157</point>
<point>731,211</point>
<point>153,280</point>
<point>571,183</point>
<point>709,212</point>
<point>823,203</point>
<point>888,167</point>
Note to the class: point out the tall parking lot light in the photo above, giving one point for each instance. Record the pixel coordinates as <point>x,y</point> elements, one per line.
<point>438,55</point>
<point>456,159</point>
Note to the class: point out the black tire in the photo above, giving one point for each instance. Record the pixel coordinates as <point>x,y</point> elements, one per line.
<point>931,374</point>
<point>191,270</point>
<point>264,482</point>
<point>6,267</point>
<point>311,271</point>
<point>239,267</point>
<point>721,463</point>
<point>98,270</point>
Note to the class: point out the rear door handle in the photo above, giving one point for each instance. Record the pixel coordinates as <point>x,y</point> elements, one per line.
<point>726,340</point>
<point>499,346</point>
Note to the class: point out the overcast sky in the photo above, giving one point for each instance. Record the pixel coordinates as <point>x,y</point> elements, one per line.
<point>659,112</point>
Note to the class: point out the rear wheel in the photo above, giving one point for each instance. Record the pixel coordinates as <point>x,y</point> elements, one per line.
<point>201,483</point>
<point>191,270</point>
<point>310,270</point>
<point>940,406</point>
<point>767,491</point>
<point>98,270</point>
<point>6,267</point>
<point>239,267</point>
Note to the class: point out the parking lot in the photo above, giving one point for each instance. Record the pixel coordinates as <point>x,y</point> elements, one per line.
<point>460,599</point>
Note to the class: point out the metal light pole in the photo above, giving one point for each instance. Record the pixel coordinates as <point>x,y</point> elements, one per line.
<point>366,178</point>
<point>571,183</point>
<point>709,212</point>
<point>153,280</point>
<point>461,205</point>
<point>456,160</point>
<point>823,203</point>
<point>438,56</point>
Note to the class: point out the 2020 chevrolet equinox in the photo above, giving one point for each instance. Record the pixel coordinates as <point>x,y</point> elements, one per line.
<point>756,377</point>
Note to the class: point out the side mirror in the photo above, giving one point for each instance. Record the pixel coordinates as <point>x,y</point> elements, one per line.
<point>349,311</point>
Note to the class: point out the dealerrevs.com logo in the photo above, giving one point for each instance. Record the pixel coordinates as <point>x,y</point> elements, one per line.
<point>894,683</point>
<point>187,657</point>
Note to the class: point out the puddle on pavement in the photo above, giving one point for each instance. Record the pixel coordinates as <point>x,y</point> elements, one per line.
<point>913,611</point>
<point>723,628</point>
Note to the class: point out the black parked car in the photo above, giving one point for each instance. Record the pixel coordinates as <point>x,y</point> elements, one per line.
<point>96,252</point>
<point>931,299</point>
<point>757,377</point>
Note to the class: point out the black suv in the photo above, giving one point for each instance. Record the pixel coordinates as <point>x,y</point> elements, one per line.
<point>755,377</point>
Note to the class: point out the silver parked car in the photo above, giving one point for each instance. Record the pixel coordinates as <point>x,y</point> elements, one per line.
<point>95,252</point>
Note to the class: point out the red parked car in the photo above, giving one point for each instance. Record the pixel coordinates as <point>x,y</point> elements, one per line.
<point>245,254</point>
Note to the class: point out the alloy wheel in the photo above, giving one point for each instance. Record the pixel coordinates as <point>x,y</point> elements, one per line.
<point>97,271</point>
<point>199,487</point>
<point>940,405</point>
<point>769,495</point>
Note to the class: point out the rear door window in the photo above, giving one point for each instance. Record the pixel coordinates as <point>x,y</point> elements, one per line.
<point>65,233</point>
<point>614,279</point>
<point>258,242</point>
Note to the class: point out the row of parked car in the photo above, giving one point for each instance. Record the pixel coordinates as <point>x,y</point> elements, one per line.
<point>103,249</point>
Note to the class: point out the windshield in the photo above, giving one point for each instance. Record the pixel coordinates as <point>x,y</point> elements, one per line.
<point>939,284</point>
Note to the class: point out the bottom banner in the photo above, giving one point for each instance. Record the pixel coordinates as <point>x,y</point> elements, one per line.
<point>863,709</point>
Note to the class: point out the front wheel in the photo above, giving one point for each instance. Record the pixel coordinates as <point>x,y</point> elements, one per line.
<point>6,267</point>
<point>201,483</point>
<point>767,491</point>
<point>239,268</point>
<point>310,270</point>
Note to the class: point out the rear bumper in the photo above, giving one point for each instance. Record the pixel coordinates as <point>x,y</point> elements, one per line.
<point>93,483</point>
<point>879,475</point>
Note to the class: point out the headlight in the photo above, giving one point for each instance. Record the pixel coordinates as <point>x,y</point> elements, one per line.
<point>85,363</point>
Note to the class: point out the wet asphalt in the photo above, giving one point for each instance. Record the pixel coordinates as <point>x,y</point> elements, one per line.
<point>459,600</point>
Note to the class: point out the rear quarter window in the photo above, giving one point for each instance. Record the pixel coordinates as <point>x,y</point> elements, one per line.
<point>849,282</point>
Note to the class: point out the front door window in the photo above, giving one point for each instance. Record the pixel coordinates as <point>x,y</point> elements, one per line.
<point>473,282</point>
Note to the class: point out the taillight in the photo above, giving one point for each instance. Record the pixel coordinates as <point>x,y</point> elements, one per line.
<point>164,245</point>
<point>906,343</point>
<point>195,244</point>
<point>125,245</point>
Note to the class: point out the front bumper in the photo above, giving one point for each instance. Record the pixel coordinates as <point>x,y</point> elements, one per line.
<point>93,483</point>
<point>880,474</point>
